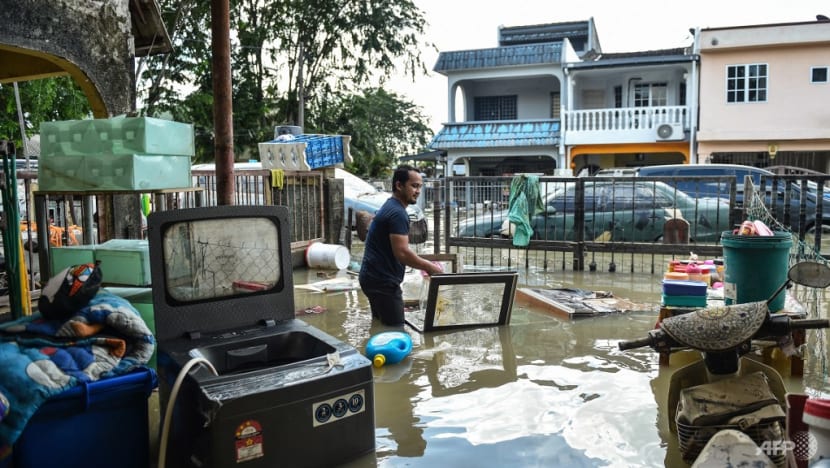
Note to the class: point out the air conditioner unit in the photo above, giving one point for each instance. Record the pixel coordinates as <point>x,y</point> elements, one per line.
<point>670,132</point>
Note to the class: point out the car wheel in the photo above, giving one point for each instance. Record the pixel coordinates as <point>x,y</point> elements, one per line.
<point>810,237</point>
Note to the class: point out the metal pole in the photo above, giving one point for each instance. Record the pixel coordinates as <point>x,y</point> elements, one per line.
<point>223,101</point>
<point>23,138</point>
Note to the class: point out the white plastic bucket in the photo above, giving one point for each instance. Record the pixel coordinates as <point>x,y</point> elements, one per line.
<point>327,256</point>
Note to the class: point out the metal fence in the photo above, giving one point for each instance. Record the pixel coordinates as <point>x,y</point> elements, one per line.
<point>618,224</point>
<point>301,192</point>
<point>582,227</point>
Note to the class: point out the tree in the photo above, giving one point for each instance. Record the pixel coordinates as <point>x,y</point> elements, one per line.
<point>382,126</point>
<point>326,48</point>
<point>41,101</point>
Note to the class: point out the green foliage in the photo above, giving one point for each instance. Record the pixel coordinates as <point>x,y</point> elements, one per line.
<point>382,125</point>
<point>41,101</point>
<point>325,51</point>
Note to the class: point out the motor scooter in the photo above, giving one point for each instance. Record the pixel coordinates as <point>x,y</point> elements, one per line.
<point>727,390</point>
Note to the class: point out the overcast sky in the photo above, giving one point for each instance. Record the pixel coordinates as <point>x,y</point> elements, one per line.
<point>622,27</point>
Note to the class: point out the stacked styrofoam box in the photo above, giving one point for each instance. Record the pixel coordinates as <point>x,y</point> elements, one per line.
<point>69,255</point>
<point>124,153</point>
<point>124,261</point>
<point>304,152</point>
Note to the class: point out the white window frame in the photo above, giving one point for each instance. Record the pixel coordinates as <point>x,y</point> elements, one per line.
<point>754,78</point>
<point>650,94</point>
<point>826,75</point>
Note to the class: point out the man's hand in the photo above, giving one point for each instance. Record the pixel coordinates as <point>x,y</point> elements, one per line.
<point>435,268</point>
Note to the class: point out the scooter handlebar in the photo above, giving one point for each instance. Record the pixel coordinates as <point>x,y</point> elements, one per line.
<point>800,324</point>
<point>626,345</point>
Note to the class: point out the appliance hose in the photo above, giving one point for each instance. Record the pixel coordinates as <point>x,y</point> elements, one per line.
<point>168,413</point>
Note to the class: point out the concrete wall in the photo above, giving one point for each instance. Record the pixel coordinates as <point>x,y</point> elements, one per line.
<point>90,39</point>
<point>795,114</point>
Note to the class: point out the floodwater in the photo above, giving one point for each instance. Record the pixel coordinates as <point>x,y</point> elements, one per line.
<point>541,391</point>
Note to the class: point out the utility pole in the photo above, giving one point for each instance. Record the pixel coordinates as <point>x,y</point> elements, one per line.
<point>301,90</point>
<point>222,100</point>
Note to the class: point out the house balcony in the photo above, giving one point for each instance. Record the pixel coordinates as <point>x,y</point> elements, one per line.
<point>626,125</point>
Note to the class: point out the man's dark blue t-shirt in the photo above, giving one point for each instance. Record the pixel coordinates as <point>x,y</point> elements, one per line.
<point>380,267</point>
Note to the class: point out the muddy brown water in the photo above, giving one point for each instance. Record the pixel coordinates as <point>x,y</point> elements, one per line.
<point>541,391</point>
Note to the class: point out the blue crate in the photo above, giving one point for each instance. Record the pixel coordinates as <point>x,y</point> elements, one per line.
<point>104,423</point>
<point>321,150</point>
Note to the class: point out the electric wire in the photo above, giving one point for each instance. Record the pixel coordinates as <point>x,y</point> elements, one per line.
<point>168,413</point>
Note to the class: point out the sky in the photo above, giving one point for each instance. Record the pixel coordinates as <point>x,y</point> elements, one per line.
<point>622,26</point>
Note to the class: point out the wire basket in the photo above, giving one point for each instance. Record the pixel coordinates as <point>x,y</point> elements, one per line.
<point>692,439</point>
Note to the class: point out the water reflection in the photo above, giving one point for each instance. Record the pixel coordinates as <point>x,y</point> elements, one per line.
<point>540,392</point>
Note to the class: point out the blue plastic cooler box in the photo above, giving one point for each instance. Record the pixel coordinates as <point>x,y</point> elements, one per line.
<point>103,423</point>
<point>684,288</point>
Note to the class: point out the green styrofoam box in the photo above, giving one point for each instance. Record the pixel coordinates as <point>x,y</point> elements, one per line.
<point>118,135</point>
<point>124,261</point>
<point>142,300</point>
<point>136,172</point>
<point>61,174</point>
<point>68,256</point>
<point>114,172</point>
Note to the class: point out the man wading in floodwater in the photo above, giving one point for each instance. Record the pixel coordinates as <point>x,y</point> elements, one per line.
<point>387,251</point>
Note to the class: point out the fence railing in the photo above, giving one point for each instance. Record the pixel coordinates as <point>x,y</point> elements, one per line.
<point>623,217</point>
<point>301,192</point>
<point>583,219</point>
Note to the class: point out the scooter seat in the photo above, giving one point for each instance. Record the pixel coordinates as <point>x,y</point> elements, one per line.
<point>718,328</point>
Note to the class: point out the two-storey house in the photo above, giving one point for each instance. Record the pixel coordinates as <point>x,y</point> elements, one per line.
<point>504,103</point>
<point>629,109</point>
<point>547,100</point>
<point>764,94</point>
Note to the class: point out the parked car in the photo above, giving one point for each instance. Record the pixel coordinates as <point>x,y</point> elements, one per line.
<point>683,179</point>
<point>784,202</point>
<point>360,195</point>
<point>632,211</point>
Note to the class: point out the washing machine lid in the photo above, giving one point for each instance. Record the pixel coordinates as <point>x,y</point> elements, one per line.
<point>220,268</point>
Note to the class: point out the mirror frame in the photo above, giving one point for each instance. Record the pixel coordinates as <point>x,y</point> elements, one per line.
<point>508,280</point>
<point>810,273</point>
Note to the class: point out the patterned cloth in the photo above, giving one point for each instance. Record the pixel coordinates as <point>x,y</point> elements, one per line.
<point>40,358</point>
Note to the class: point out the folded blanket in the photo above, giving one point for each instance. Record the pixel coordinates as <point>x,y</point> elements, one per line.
<point>40,358</point>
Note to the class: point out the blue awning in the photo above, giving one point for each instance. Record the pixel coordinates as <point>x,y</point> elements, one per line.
<point>497,134</point>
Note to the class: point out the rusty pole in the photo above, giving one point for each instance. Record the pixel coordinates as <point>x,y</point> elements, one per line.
<point>222,100</point>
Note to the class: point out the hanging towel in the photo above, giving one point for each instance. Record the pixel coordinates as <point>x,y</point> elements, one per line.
<point>524,203</point>
<point>277,178</point>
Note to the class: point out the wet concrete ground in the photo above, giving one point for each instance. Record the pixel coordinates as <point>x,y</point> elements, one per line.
<point>542,391</point>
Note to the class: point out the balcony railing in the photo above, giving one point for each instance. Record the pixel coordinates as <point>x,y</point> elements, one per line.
<point>625,124</point>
